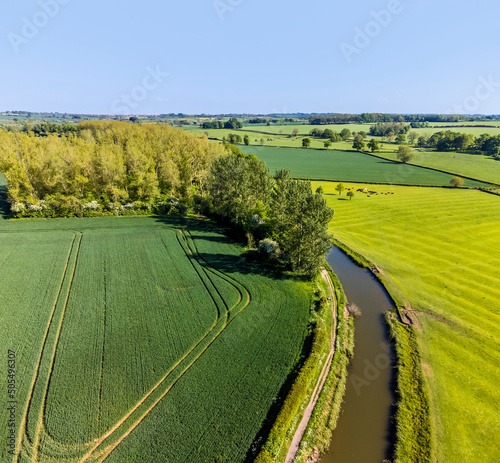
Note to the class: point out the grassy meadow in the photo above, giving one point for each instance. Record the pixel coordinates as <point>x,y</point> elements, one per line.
<point>135,333</point>
<point>348,166</point>
<point>438,250</point>
<point>476,166</point>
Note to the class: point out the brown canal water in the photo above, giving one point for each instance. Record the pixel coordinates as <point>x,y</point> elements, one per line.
<point>365,433</point>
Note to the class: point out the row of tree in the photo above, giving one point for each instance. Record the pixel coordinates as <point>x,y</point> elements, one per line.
<point>287,219</point>
<point>369,118</point>
<point>111,163</point>
<point>455,141</point>
<point>232,124</point>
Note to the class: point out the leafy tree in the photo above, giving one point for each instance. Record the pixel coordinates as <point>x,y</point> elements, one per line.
<point>299,222</point>
<point>457,182</point>
<point>350,194</point>
<point>401,138</point>
<point>306,142</point>
<point>233,138</point>
<point>412,136</point>
<point>373,145</point>
<point>327,144</point>
<point>340,188</point>
<point>233,123</point>
<point>358,145</point>
<point>404,154</point>
<point>295,132</point>
<point>246,140</point>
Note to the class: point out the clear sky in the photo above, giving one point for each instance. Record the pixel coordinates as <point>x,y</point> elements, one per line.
<point>254,56</point>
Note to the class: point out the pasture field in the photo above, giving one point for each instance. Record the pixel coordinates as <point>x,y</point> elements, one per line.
<point>476,166</point>
<point>348,166</point>
<point>141,339</point>
<point>439,250</point>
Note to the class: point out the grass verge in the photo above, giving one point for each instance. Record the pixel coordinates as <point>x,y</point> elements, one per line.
<point>328,407</point>
<point>414,431</point>
<point>324,419</point>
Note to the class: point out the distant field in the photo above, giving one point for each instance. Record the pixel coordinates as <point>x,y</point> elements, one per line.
<point>471,165</point>
<point>439,250</point>
<point>136,341</point>
<point>475,166</point>
<point>476,131</point>
<point>347,166</point>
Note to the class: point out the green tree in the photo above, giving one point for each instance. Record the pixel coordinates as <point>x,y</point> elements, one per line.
<point>295,132</point>
<point>401,138</point>
<point>246,140</point>
<point>373,145</point>
<point>327,144</point>
<point>412,137</point>
<point>345,134</point>
<point>299,222</point>
<point>404,154</point>
<point>350,194</point>
<point>340,188</point>
<point>306,142</point>
<point>358,145</point>
<point>457,182</point>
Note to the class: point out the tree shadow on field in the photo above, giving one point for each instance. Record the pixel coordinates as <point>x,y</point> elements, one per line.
<point>246,263</point>
<point>4,204</point>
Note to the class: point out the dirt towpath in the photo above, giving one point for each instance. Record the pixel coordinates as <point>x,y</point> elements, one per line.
<point>299,433</point>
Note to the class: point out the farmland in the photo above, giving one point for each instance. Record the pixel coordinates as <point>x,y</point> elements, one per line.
<point>348,166</point>
<point>135,333</point>
<point>476,166</point>
<point>438,251</point>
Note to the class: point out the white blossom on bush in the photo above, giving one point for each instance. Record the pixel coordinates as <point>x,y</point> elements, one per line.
<point>128,206</point>
<point>92,205</point>
<point>173,201</point>
<point>257,221</point>
<point>18,207</point>
<point>269,247</point>
<point>34,208</point>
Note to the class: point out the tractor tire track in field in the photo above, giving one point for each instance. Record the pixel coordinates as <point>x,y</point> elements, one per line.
<point>100,455</point>
<point>299,433</point>
<point>23,438</point>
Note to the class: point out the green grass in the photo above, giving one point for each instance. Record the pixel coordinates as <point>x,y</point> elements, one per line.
<point>438,249</point>
<point>482,168</point>
<point>348,166</point>
<point>469,165</point>
<point>172,342</point>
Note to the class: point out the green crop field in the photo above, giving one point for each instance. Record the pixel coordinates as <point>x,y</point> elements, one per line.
<point>347,166</point>
<point>141,339</point>
<point>438,249</point>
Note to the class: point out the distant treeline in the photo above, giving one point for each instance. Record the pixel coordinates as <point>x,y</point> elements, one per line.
<point>448,140</point>
<point>486,144</point>
<point>232,123</point>
<point>368,118</point>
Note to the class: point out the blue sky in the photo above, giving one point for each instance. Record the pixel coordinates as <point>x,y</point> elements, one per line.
<point>255,56</point>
